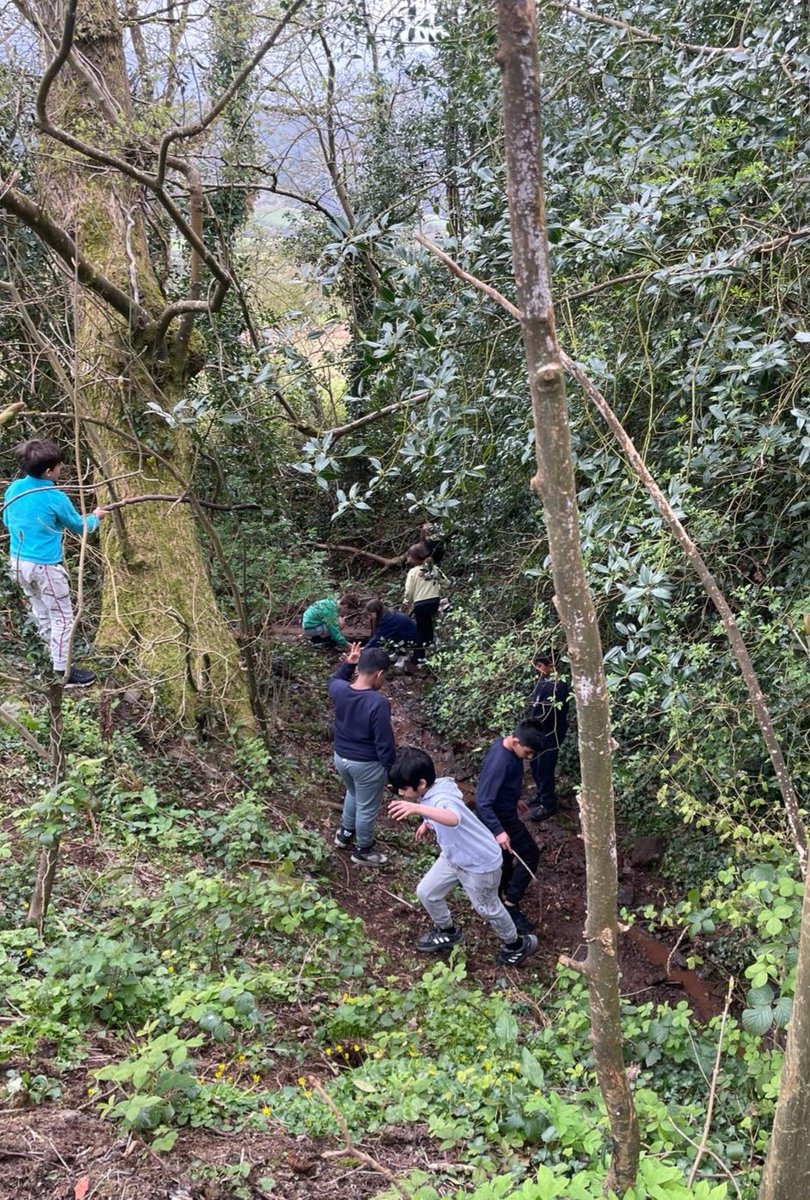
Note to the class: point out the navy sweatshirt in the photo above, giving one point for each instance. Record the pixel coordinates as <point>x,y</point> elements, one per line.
<point>394,627</point>
<point>549,705</point>
<point>363,731</point>
<point>499,785</point>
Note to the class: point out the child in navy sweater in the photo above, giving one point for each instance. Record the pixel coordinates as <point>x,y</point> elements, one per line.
<point>364,747</point>
<point>500,785</point>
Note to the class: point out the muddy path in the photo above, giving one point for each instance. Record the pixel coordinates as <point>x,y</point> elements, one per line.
<point>384,898</point>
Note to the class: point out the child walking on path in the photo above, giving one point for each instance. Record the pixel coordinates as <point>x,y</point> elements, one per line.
<point>36,514</point>
<point>422,595</point>
<point>469,856</point>
<point>496,801</point>
<point>548,704</point>
<point>364,748</point>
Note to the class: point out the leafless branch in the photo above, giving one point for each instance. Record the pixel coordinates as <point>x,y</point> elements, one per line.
<point>196,127</point>
<point>58,240</point>
<point>182,499</point>
<point>378,558</point>
<point>349,1143</point>
<point>642,34</point>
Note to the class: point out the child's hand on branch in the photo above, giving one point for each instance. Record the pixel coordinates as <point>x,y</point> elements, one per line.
<point>503,841</point>
<point>100,512</point>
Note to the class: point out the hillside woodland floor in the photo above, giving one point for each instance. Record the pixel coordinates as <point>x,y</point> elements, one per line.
<point>62,1151</point>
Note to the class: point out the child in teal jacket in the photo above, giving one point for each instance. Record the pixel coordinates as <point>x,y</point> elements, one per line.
<point>36,514</point>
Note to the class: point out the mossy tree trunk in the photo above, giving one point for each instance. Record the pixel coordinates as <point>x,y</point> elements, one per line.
<point>159,611</point>
<point>555,484</point>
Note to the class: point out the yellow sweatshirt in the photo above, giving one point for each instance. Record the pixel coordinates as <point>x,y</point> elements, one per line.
<point>423,583</point>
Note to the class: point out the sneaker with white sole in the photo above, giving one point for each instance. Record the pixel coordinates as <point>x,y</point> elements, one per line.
<point>344,837</point>
<point>514,956</point>
<point>76,677</point>
<point>371,857</point>
<point>438,941</point>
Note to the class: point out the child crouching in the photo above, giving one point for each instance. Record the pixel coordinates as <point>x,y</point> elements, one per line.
<point>469,856</point>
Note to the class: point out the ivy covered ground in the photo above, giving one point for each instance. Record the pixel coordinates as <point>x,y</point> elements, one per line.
<point>220,1000</point>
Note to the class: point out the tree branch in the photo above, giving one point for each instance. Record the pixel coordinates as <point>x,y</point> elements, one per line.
<point>643,34</point>
<point>195,127</point>
<point>689,548</point>
<point>341,430</point>
<point>151,183</point>
<point>377,558</point>
<point>35,217</point>
<point>182,499</point>
<point>8,716</point>
<point>348,1140</point>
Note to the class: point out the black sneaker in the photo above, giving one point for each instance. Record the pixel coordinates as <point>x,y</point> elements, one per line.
<point>344,837</point>
<point>514,957</point>
<point>522,922</point>
<point>437,941</point>
<point>542,813</point>
<point>370,856</point>
<point>77,678</point>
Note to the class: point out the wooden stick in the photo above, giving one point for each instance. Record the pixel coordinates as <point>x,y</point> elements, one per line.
<point>350,1147</point>
<point>707,1124</point>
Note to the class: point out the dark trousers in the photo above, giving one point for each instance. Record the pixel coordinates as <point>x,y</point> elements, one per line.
<point>542,767</point>
<point>514,877</point>
<point>424,612</point>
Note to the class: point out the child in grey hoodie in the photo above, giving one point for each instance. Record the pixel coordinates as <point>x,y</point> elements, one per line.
<point>469,856</point>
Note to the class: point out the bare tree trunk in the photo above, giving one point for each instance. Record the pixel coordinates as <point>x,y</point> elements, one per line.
<point>49,855</point>
<point>556,486</point>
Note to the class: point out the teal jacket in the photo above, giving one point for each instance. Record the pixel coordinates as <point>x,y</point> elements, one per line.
<point>324,612</point>
<point>36,514</point>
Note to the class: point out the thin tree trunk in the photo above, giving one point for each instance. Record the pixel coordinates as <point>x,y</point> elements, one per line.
<point>787,1165</point>
<point>555,484</point>
<point>49,855</point>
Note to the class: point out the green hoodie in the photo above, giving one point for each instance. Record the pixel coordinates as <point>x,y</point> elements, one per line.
<point>324,612</point>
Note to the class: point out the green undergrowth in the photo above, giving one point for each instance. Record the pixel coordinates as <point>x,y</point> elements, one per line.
<point>196,971</point>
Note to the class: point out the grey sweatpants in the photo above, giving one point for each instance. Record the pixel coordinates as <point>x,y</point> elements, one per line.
<point>47,588</point>
<point>482,891</point>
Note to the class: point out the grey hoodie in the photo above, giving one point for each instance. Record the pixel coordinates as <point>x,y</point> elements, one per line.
<point>468,846</point>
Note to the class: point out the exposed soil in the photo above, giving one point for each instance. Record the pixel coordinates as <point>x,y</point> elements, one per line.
<point>66,1153</point>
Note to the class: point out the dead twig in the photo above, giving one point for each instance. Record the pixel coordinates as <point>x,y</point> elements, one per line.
<point>10,719</point>
<point>707,1124</point>
<point>401,899</point>
<point>378,558</point>
<point>349,1143</point>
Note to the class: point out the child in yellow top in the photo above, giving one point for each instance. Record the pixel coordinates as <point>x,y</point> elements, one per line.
<point>423,591</point>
